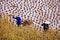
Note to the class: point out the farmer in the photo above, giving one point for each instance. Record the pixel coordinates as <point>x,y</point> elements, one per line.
<point>18,19</point>
<point>45,25</point>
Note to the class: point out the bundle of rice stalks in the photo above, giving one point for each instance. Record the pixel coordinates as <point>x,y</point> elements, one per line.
<point>26,22</point>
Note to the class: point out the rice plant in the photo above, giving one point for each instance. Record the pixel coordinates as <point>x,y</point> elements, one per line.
<point>11,32</point>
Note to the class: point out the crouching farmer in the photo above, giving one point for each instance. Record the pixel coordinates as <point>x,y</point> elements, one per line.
<point>45,25</point>
<point>18,19</point>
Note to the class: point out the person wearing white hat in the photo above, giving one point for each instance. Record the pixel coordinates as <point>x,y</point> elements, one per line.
<point>45,25</point>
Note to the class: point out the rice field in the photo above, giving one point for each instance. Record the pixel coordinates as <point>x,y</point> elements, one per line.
<point>12,32</point>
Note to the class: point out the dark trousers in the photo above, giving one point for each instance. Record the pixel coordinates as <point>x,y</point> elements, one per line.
<point>18,24</point>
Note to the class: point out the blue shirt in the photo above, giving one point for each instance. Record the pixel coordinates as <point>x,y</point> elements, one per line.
<point>18,19</point>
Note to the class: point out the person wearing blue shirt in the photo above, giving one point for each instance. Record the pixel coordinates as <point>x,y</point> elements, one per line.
<point>18,20</point>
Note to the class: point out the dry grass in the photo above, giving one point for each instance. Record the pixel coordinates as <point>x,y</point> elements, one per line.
<point>11,32</point>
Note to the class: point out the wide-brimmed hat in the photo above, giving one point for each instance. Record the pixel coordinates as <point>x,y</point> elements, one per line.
<point>47,22</point>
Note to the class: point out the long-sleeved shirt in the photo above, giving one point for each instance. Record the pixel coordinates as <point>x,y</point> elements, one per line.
<point>18,19</point>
